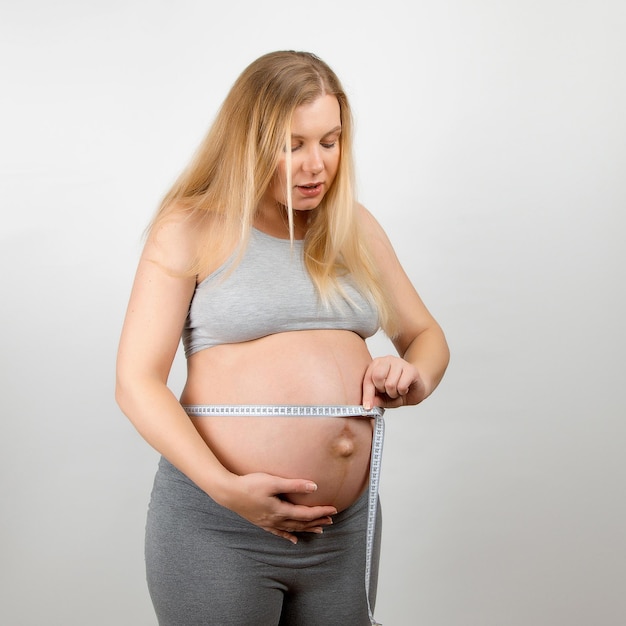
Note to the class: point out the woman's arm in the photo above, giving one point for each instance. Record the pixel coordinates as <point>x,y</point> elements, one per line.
<point>154,320</point>
<point>393,381</point>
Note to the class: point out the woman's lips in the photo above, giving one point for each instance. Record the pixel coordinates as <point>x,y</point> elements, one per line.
<point>310,191</point>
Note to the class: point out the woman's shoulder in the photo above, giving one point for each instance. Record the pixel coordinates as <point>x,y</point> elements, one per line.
<point>180,237</point>
<point>370,228</point>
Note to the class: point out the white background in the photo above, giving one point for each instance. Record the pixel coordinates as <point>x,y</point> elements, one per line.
<point>491,144</point>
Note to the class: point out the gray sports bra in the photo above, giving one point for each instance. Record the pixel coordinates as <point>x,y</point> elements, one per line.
<point>269,292</point>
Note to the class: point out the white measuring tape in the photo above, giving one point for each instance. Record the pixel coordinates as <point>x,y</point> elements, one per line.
<point>249,410</point>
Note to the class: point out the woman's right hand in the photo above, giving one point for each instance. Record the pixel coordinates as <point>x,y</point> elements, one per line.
<point>258,497</point>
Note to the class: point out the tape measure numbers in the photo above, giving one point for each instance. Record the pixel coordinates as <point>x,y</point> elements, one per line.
<point>259,410</point>
<point>249,410</point>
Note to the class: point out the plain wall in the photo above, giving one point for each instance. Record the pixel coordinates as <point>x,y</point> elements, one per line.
<point>491,145</point>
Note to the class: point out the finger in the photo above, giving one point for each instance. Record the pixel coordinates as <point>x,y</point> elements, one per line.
<point>393,403</point>
<point>315,530</point>
<point>292,525</point>
<point>380,374</point>
<point>407,379</point>
<point>374,382</point>
<point>294,485</point>
<point>318,526</point>
<point>398,380</point>
<point>369,393</point>
<point>282,533</point>
<point>301,513</point>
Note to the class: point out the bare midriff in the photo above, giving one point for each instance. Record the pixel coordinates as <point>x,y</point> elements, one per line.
<point>308,367</point>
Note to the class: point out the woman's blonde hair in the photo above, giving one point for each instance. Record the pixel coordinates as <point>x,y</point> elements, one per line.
<point>234,165</point>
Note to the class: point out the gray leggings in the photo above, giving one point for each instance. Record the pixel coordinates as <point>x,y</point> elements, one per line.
<point>207,565</point>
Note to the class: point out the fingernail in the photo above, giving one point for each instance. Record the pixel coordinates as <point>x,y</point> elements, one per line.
<point>311,487</point>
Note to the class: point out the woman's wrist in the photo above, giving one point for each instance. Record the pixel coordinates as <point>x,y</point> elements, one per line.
<point>220,486</point>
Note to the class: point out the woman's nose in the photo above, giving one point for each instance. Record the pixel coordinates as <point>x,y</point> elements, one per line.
<point>314,162</point>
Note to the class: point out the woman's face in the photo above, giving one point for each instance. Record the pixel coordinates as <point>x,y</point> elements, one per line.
<point>315,153</point>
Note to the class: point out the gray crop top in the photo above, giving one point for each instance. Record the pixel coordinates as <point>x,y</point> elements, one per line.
<point>269,292</point>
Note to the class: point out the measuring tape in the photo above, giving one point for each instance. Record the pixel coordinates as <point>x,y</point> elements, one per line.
<point>375,463</point>
<point>254,410</point>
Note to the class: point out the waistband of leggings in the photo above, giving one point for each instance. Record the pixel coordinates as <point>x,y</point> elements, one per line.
<point>280,410</point>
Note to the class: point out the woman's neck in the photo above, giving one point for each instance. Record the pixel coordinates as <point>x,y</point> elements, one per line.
<point>274,221</point>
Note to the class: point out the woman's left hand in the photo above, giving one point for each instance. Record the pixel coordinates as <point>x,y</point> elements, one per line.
<point>390,382</point>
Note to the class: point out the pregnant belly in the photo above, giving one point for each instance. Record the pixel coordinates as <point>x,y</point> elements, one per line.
<point>296,368</point>
<point>332,452</point>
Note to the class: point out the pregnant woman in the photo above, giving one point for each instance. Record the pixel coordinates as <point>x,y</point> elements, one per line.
<point>261,258</point>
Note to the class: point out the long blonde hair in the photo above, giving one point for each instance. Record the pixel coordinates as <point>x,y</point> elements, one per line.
<point>234,165</point>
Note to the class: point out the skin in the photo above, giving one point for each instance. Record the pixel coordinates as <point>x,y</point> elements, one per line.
<point>289,491</point>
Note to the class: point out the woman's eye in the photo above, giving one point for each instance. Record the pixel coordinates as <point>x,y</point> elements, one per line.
<point>329,145</point>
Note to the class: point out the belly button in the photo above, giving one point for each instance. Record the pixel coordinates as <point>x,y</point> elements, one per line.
<point>344,447</point>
